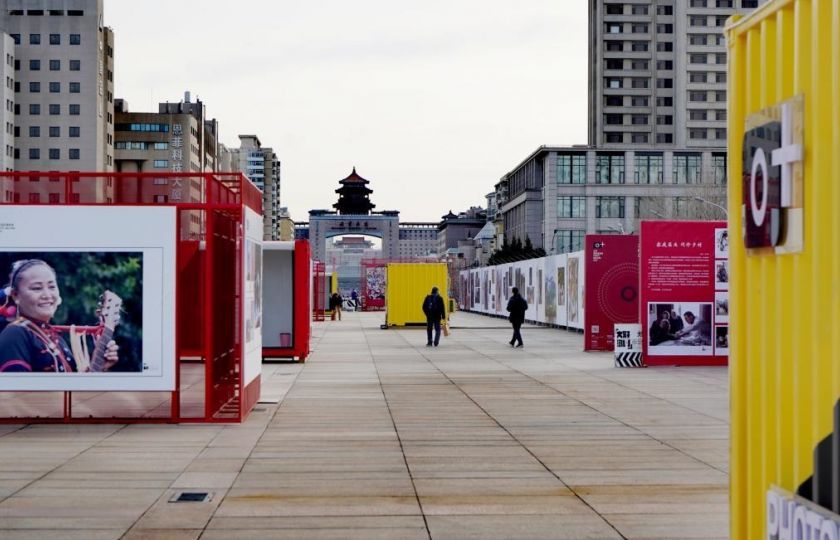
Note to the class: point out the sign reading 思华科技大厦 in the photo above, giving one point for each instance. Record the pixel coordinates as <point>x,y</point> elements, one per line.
<point>773,178</point>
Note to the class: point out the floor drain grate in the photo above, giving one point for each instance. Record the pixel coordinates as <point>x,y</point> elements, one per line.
<point>191,496</point>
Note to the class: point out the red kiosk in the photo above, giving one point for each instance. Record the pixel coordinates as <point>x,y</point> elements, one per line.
<point>189,258</point>
<point>286,307</point>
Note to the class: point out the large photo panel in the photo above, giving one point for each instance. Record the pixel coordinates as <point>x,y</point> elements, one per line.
<point>88,305</point>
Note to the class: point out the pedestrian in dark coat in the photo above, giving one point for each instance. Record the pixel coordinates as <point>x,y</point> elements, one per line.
<point>517,307</point>
<point>435,311</point>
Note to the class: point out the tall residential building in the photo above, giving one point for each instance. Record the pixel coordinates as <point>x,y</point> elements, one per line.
<point>261,165</point>
<point>64,84</point>
<point>7,98</point>
<point>658,72</point>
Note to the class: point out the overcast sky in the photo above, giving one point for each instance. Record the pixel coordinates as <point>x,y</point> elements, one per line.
<point>432,101</point>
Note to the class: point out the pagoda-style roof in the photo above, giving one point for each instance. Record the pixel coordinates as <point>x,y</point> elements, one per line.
<point>354,178</point>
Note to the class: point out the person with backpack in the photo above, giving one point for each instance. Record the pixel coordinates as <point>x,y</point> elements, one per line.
<point>435,312</point>
<point>517,307</point>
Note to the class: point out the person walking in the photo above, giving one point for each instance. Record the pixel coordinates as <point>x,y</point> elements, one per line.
<point>354,297</point>
<point>435,311</point>
<point>335,305</point>
<point>517,307</point>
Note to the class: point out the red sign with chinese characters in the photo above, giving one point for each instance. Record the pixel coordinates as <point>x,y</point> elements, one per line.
<point>611,287</point>
<point>685,292</point>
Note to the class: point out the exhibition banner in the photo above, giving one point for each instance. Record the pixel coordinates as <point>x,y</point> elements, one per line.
<point>684,296</point>
<point>252,295</point>
<point>88,304</point>
<point>553,287</point>
<point>612,287</point>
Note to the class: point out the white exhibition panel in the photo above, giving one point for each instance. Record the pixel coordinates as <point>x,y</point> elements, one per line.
<point>552,287</point>
<point>252,285</point>
<point>149,233</point>
<point>278,292</point>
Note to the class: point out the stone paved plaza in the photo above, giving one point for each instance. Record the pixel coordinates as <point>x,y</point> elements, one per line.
<point>380,437</point>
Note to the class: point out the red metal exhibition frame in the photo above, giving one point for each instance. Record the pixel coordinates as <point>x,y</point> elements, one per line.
<point>319,306</point>
<point>210,213</point>
<point>302,262</point>
<point>371,304</point>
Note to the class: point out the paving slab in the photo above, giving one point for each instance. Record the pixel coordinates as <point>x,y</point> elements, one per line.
<point>377,436</point>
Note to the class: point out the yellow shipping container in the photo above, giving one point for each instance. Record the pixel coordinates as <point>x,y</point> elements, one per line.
<point>784,203</point>
<point>407,286</point>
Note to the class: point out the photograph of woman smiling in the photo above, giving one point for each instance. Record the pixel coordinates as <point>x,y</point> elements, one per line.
<point>29,343</point>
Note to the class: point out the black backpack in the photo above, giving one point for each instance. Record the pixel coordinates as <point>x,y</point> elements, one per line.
<point>429,305</point>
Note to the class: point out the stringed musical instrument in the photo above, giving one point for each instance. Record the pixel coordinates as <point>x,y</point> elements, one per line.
<point>109,316</point>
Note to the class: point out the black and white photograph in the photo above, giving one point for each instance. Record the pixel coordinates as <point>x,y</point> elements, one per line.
<point>721,243</point>
<point>721,340</point>
<point>680,328</point>
<point>722,307</point>
<point>722,275</point>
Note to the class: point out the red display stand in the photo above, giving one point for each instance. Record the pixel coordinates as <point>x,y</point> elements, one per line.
<point>209,300</point>
<point>319,304</point>
<point>612,287</point>
<point>684,293</point>
<point>373,281</point>
<point>287,323</point>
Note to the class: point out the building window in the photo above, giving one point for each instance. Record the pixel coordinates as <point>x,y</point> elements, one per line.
<point>55,87</point>
<point>568,240</point>
<point>34,87</point>
<point>687,168</point>
<point>75,87</point>
<point>74,131</point>
<point>34,131</point>
<point>55,39</point>
<point>55,65</point>
<point>34,153</point>
<point>611,82</point>
<point>697,134</point>
<point>75,65</point>
<point>649,169</point>
<point>75,109</point>
<point>161,146</point>
<point>34,65</point>
<point>34,39</point>
<point>696,114</point>
<point>609,169</point>
<point>613,119</point>
<point>615,137</point>
<point>571,169</point>
<point>571,207</point>
<point>55,131</point>
<point>75,39</point>
<point>697,96</point>
<point>16,38</point>
<point>161,163</point>
<point>665,138</point>
<point>74,153</point>
<point>55,153</point>
<point>55,109</point>
<point>719,168</point>
<point>664,102</point>
<point>639,138</point>
<point>609,207</point>
<point>34,109</point>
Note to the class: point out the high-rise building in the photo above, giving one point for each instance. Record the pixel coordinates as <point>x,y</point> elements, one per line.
<point>261,165</point>
<point>7,98</point>
<point>658,72</point>
<point>64,84</point>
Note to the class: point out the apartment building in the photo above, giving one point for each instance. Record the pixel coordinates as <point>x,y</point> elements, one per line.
<point>64,85</point>
<point>262,166</point>
<point>658,72</point>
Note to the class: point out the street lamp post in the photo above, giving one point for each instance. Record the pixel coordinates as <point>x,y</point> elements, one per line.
<point>716,205</point>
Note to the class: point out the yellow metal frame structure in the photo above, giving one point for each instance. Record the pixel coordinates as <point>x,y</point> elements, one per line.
<point>785,309</point>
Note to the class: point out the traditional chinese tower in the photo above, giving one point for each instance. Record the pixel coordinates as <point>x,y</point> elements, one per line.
<point>354,196</point>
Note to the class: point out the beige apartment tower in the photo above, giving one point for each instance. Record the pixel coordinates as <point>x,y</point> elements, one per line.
<point>658,72</point>
<point>64,84</point>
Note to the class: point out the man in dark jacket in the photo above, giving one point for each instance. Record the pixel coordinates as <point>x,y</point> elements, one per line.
<point>435,311</point>
<point>517,307</point>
